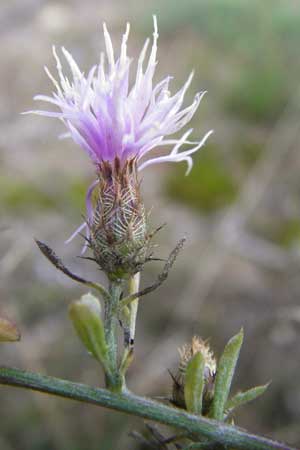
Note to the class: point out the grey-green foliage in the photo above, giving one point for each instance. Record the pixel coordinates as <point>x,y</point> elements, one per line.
<point>241,398</point>
<point>194,383</point>
<point>224,376</point>
<point>222,406</point>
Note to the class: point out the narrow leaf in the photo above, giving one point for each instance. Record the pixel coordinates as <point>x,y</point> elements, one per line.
<point>85,315</point>
<point>244,397</point>
<point>57,262</point>
<point>194,384</point>
<point>225,372</point>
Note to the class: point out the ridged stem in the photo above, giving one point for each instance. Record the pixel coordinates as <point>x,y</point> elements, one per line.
<point>200,427</point>
<point>114,382</point>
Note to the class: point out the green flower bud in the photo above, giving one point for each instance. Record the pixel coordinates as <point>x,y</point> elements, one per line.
<point>85,315</point>
<point>187,355</point>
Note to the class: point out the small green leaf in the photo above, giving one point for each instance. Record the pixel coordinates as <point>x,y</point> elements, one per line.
<point>244,397</point>
<point>225,372</point>
<point>86,318</point>
<point>194,384</point>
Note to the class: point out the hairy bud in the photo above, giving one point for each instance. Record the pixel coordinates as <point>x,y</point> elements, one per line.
<point>118,230</point>
<point>187,352</point>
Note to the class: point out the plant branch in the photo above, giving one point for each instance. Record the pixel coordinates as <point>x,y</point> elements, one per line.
<point>57,262</point>
<point>160,279</point>
<point>126,402</point>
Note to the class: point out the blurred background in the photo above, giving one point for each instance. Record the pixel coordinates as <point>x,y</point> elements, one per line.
<point>239,209</point>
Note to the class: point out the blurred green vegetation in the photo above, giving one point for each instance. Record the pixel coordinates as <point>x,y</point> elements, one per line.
<point>285,233</point>
<point>288,233</point>
<point>260,41</point>
<point>247,152</point>
<point>22,197</point>
<point>213,182</point>
<point>247,28</point>
<point>209,186</point>
<point>247,55</point>
<point>259,94</point>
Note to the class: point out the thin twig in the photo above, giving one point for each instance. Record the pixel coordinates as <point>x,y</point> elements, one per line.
<point>57,262</point>
<point>198,426</point>
<point>160,279</point>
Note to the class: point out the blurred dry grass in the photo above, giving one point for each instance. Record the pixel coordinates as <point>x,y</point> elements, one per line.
<point>239,209</point>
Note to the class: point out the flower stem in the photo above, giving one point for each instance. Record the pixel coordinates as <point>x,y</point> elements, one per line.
<point>196,426</point>
<point>113,382</point>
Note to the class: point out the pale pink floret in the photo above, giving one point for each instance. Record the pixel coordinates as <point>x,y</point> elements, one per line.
<point>108,119</point>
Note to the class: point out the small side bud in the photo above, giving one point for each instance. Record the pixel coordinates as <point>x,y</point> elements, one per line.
<point>8,331</point>
<point>85,315</point>
<point>187,355</point>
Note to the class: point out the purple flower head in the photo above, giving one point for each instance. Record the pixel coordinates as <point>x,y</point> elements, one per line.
<point>108,119</point>
<point>111,120</point>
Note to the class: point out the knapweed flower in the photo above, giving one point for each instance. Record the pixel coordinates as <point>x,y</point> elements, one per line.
<point>119,126</point>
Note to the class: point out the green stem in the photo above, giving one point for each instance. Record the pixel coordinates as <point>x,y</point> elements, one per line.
<point>197,426</point>
<point>98,287</point>
<point>110,326</point>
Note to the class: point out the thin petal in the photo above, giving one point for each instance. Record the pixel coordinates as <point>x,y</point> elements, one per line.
<point>76,232</point>
<point>109,48</point>
<point>175,156</point>
<point>123,55</point>
<point>109,120</point>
